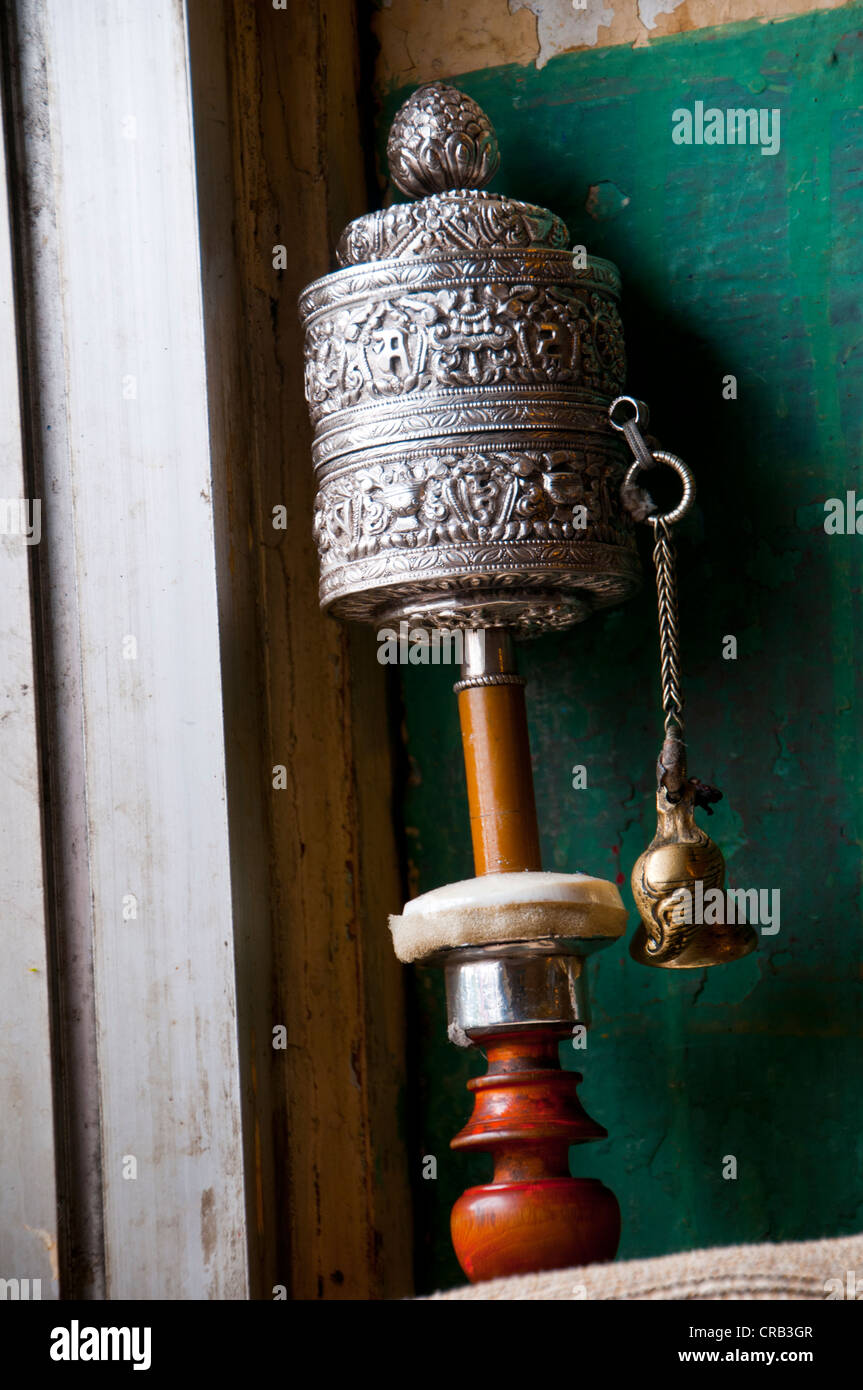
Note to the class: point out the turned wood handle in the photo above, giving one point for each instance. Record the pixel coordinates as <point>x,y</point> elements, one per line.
<point>499,779</point>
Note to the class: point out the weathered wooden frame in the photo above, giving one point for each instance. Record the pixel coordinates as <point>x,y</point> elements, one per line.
<point>163,419</point>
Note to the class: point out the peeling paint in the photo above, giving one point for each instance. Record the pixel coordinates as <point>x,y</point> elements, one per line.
<point>421,40</point>
<point>605,200</point>
<point>561,26</point>
<point>50,1244</point>
<point>649,10</point>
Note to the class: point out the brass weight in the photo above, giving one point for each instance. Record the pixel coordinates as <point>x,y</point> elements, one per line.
<point>681,870</point>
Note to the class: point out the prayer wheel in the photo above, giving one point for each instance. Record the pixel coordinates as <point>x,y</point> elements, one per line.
<point>459,370</point>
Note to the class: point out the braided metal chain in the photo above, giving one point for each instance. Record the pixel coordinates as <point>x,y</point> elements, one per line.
<point>669,630</point>
<point>642,506</point>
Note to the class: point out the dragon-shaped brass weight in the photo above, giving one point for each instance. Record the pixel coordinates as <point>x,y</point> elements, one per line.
<point>679,881</point>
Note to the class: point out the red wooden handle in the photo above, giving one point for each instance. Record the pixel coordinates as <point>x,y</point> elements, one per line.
<point>533,1215</point>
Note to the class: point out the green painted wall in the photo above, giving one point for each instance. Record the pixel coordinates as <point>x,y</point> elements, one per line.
<point>733,262</point>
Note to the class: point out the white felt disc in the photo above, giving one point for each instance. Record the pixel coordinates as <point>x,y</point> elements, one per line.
<point>508,907</point>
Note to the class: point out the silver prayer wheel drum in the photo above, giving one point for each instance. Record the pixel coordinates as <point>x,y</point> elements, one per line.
<point>458,374</point>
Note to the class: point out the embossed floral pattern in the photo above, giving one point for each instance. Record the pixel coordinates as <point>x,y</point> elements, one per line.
<point>449,222</point>
<point>441,139</point>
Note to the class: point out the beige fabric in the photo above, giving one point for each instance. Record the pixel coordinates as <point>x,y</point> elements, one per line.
<point>422,934</point>
<point>508,907</point>
<point>810,1270</point>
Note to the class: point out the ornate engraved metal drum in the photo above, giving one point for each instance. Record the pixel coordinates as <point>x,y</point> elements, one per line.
<point>458,374</point>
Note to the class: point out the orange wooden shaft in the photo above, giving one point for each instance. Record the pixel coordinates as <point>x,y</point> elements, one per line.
<point>499,779</point>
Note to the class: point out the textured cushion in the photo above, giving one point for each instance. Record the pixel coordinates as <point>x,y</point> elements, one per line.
<point>816,1270</point>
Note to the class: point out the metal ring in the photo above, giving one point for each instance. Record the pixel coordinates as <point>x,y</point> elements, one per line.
<point>495,678</point>
<point>640,417</point>
<point>680,468</point>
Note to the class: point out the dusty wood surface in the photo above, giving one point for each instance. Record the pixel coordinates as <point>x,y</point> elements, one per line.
<point>331,1205</point>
